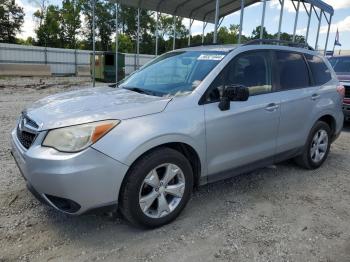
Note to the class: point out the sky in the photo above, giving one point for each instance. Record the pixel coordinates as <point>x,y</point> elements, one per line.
<point>252,18</point>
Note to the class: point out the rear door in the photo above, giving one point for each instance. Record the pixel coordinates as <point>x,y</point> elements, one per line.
<point>298,98</point>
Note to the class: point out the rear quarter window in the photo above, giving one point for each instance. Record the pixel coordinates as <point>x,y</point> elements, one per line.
<point>320,71</point>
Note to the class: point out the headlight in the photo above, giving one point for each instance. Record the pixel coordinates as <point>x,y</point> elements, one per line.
<point>79,137</point>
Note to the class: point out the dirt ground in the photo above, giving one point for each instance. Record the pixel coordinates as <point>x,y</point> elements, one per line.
<point>279,213</point>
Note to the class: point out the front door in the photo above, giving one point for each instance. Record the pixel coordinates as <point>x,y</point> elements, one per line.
<point>247,132</point>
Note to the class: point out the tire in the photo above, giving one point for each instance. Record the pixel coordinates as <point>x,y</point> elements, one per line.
<point>141,187</point>
<point>308,158</point>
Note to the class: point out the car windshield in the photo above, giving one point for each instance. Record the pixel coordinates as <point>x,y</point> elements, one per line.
<point>340,64</point>
<point>174,73</point>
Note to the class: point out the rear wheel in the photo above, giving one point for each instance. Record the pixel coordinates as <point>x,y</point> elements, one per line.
<point>317,147</point>
<point>157,188</point>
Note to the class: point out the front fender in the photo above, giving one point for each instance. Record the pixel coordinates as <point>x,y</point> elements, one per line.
<point>133,137</point>
<point>165,139</point>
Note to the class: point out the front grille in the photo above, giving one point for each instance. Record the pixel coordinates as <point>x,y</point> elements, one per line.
<point>31,123</point>
<point>347,91</point>
<point>26,131</point>
<point>25,138</point>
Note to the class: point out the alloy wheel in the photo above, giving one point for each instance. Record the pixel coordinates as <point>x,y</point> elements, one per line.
<point>319,146</point>
<point>162,190</point>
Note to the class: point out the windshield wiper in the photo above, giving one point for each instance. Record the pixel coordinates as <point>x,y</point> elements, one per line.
<point>141,90</point>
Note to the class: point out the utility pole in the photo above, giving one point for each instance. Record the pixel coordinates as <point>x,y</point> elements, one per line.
<point>116,42</point>
<point>93,45</point>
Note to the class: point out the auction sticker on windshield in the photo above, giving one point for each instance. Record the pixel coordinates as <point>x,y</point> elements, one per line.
<point>215,57</point>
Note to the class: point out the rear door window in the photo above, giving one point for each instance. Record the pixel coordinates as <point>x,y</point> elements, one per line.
<point>319,70</point>
<point>293,70</point>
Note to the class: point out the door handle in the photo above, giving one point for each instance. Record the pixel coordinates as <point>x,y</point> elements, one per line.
<point>315,97</point>
<point>272,107</point>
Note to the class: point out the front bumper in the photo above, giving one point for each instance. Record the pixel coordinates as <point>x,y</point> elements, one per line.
<point>70,182</point>
<point>346,110</point>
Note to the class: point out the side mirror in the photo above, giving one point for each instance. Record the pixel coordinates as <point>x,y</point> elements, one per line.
<point>233,93</point>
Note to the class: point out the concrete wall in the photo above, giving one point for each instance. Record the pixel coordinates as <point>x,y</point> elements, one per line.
<point>59,61</point>
<point>24,70</point>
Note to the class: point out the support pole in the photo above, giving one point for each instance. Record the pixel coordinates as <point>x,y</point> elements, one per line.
<point>217,9</point>
<point>45,54</point>
<point>76,61</point>
<point>263,20</point>
<point>204,26</point>
<point>241,22</point>
<point>157,34</point>
<point>308,24</point>
<point>138,39</point>
<point>116,41</point>
<point>329,27</point>
<point>296,21</point>
<point>220,21</point>
<point>189,31</point>
<point>93,45</point>
<point>318,29</point>
<point>174,29</point>
<point>280,22</point>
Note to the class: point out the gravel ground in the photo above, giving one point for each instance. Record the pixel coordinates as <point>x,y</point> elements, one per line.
<point>280,213</point>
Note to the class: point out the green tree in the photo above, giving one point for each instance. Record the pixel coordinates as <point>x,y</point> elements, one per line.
<point>29,41</point>
<point>284,36</point>
<point>70,22</point>
<point>105,25</point>
<point>40,13</point>
<point>125,44</point>
<point>49,32</point>
<point>87,30</point>
<point>289,37</point>
<point>166,27</point>
<point>128,25</point>
<point>166,32</point>
<point>11,20</point>
<point>256,33</point>
<point>228,35</point>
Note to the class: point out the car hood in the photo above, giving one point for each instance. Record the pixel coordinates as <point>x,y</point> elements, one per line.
<point>92,104</point>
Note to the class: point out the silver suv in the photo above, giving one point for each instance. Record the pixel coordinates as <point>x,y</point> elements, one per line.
<point>187,118</point>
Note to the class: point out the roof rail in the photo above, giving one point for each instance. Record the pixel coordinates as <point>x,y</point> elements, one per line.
<point>278,42</point>
<point>202,44</point>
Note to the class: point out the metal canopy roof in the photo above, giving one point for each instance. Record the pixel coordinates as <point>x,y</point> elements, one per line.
<point>203,10</point>
<point>321,5</point>
<point>211,11</point>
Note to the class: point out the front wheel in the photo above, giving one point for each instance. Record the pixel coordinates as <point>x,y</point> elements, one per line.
<point>317,147</point>
<point>157,188</point>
